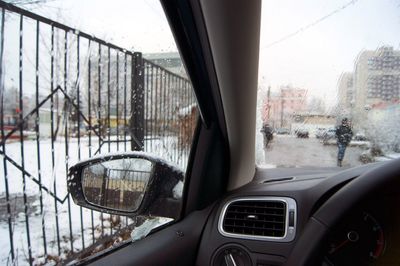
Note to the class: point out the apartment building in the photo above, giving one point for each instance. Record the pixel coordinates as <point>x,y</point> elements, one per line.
<point>346,91</point>
<point>376,77</point>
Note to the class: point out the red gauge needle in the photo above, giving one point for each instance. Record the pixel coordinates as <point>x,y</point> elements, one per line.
<point>339,246</point>
<point>352,236</point>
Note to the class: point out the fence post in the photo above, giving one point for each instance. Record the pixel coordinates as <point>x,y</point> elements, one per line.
<point>137,103</point>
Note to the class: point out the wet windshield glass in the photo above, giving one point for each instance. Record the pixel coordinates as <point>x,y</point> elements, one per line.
<point>329,83</point>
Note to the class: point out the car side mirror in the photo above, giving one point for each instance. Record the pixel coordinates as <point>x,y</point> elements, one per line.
<point>128,184</point>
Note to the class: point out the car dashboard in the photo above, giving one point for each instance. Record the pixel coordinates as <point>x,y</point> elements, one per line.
<point>260,223</point>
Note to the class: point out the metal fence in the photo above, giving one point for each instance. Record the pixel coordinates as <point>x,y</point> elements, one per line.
<point>65,96</point>
<point>115,188</point>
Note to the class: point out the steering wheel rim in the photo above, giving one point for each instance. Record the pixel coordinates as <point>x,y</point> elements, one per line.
<point>308,247</point>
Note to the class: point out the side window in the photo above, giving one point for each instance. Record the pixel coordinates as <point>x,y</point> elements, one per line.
<point>68,96</point>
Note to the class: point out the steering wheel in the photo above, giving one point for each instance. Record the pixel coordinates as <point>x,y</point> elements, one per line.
<point>308,248</point>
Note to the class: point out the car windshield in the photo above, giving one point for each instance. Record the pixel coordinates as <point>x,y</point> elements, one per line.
<point>329,74</point>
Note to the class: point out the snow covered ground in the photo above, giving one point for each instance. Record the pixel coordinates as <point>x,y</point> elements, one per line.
<point>69,224</point>
<point>353,143</point>
<point>387,157</point>
<point>306,153</point>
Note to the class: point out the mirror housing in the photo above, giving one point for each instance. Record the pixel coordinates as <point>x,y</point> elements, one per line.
<point>158,195</point>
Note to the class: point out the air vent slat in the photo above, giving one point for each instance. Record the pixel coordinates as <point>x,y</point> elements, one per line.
<point>271,207</point>
<point>256,218</point>
<point>252,228</point>
<point>261,221</point>
<point>247,213</point>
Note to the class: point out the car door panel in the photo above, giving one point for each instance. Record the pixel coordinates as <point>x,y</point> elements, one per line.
<point>173,245</point>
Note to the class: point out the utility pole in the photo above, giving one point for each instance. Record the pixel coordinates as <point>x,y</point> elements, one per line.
<point>268,104</point>
<point>282,108</point>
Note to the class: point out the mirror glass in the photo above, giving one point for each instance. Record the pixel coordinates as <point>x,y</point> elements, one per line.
<point>117,184</point>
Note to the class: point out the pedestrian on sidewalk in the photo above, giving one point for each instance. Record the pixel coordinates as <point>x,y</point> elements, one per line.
<point>266,130</point>
<point>343,137</point>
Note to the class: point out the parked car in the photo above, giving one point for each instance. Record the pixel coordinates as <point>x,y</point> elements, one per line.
<point>320,133</point>
<point>360,137</point>
<point>282,131</point>
<point>329,135</point>
<point>302,133</point>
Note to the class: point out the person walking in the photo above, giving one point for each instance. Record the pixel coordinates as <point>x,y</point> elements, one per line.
<point>343,136</point>
<point>266,130</point>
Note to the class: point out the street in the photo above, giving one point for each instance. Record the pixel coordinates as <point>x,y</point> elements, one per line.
<point>289,151</point>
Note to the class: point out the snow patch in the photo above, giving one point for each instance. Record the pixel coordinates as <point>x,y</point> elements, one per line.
<point>387,157</point>
<point>178,190</point>
<point>185,111</point>
<point>143,230</point>
<point>266,166</point>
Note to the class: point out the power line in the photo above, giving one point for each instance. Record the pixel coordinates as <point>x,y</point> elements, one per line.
<point>27,2</point>
<point>312,24</point>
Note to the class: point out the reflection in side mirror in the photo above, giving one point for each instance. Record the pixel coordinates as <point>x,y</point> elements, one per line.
<point>130,184</point>
<point>118,184</point>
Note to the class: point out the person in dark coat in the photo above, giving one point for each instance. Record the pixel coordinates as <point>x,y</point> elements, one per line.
<point>266,130</point>
<point>343,136</point>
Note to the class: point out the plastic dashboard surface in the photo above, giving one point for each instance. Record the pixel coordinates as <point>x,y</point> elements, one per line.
<point>309,188</point>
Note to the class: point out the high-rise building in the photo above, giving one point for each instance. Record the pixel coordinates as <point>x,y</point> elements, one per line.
<point>345,91</point>
<point>374,82</point>
<point>376,78</point>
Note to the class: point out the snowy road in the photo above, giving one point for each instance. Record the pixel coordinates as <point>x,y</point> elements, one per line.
<point>290,151</point>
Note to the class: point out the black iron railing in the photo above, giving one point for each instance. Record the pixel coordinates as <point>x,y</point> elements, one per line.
<point>70,96</point>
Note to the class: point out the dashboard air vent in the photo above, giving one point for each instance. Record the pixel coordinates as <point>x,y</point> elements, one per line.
<point>258,218</point>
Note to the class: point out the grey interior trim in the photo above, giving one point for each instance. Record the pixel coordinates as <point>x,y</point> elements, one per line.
<point>236,65</point>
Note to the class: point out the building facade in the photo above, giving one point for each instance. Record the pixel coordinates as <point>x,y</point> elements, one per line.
<point>374,81</point>
<point>280,108</point>
<point>376,78</point>
<point>346,91</point>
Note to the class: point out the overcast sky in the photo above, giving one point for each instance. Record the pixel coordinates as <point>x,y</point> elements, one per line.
<point>312,59</point>
<point>133,24</point>
<point>315,58</point>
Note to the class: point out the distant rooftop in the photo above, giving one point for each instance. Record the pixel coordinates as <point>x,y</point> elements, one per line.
<point>169,60</point>
<point>168,55</point>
